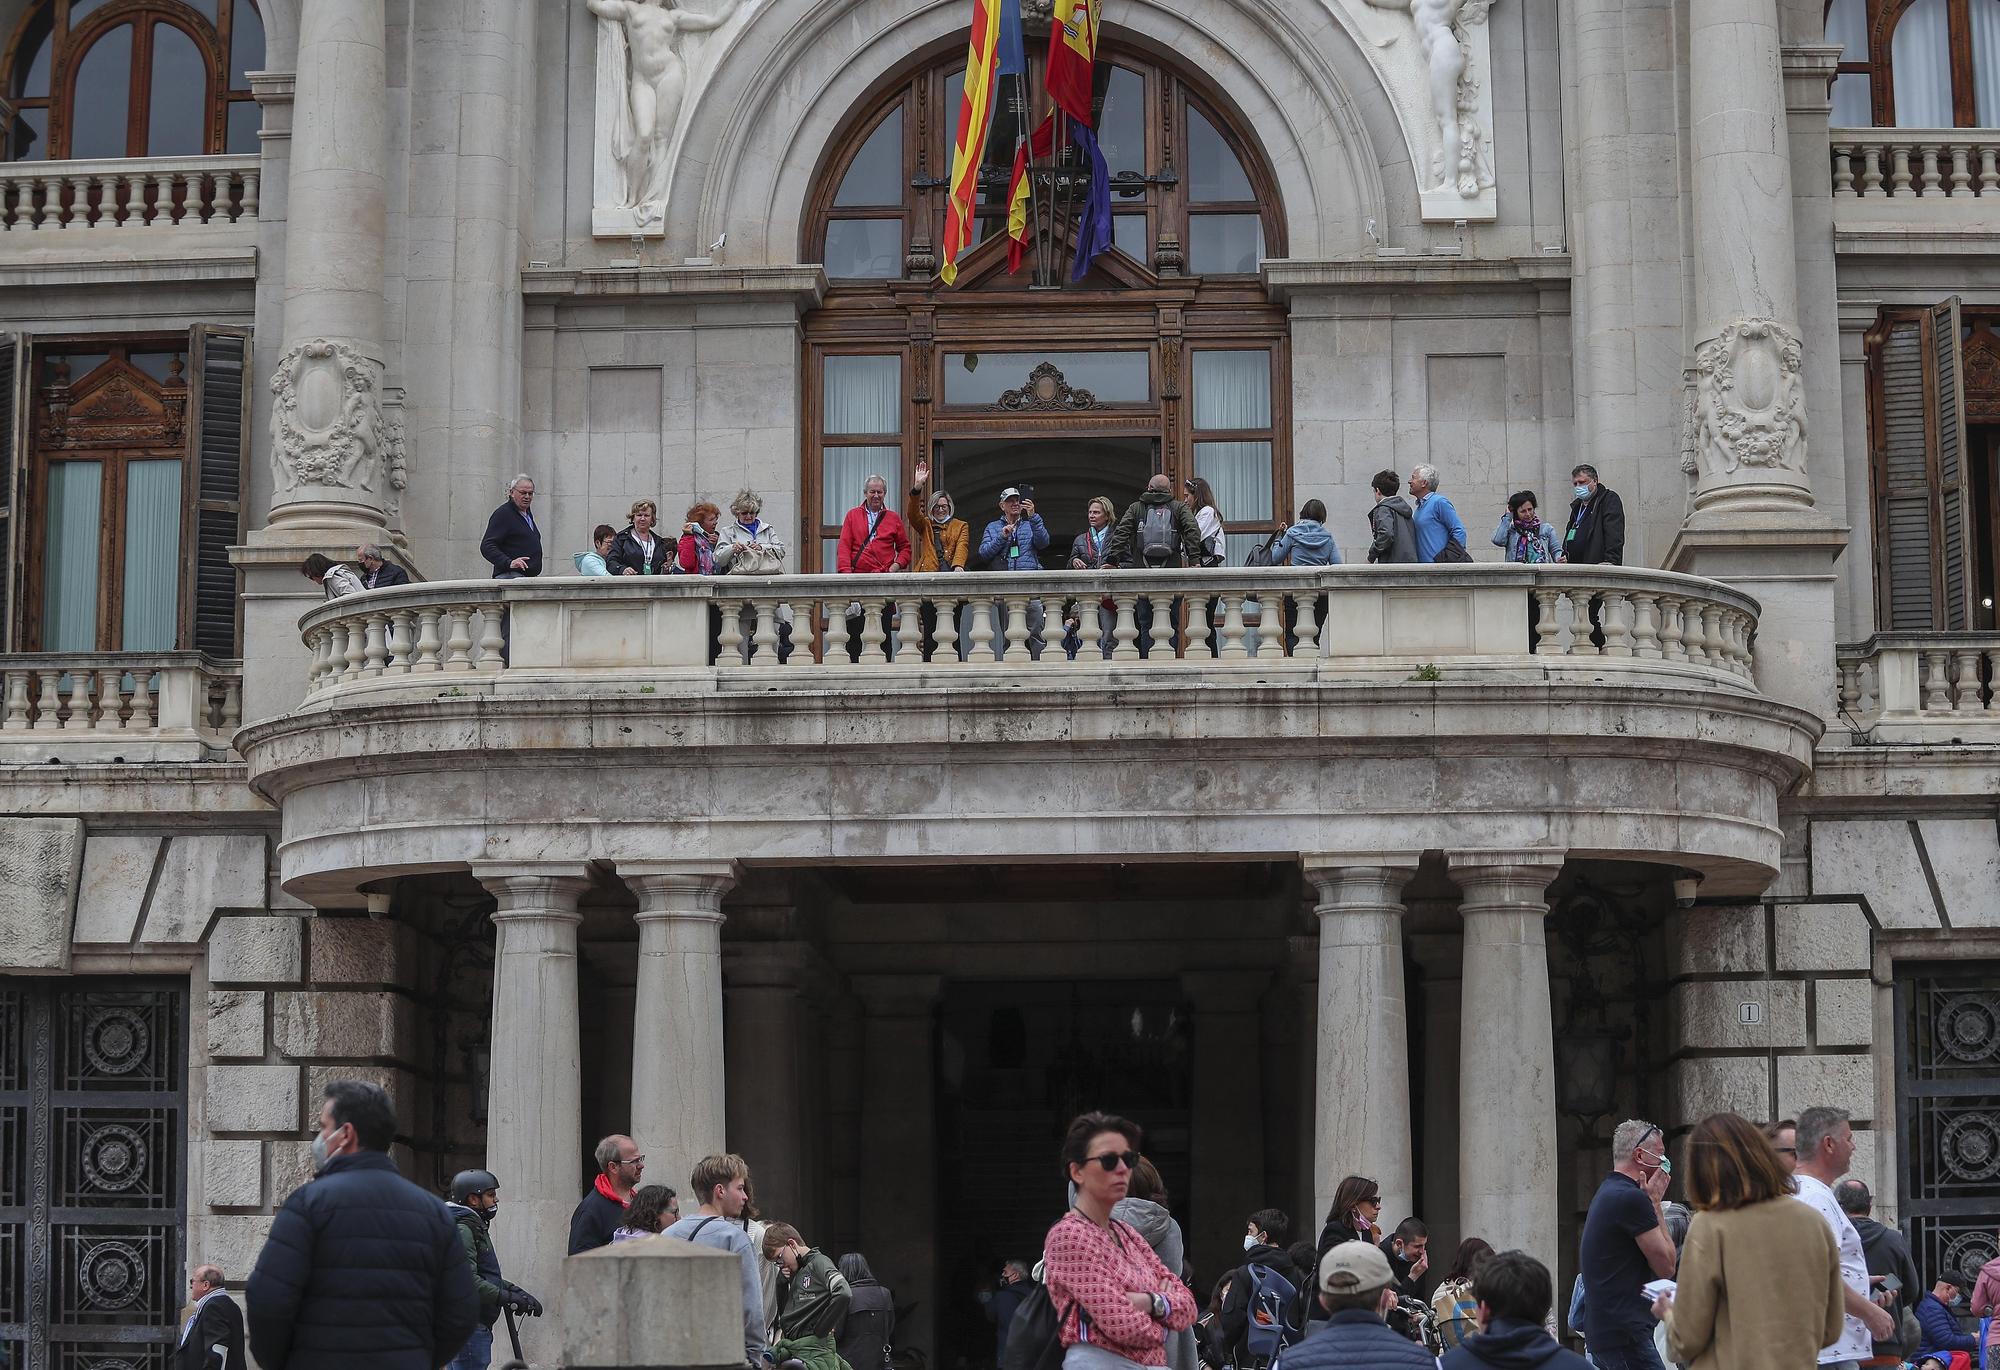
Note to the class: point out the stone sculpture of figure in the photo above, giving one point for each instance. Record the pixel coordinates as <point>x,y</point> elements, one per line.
<point>655,81</point>
<point>1458,160</point>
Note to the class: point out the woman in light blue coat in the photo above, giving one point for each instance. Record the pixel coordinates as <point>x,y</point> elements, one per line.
<point>1521,531</point>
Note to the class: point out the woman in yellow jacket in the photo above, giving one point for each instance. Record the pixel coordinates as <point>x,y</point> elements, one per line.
<point>939,541</point>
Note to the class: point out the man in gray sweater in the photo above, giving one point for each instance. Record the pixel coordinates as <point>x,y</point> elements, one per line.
<point>722,1183</point>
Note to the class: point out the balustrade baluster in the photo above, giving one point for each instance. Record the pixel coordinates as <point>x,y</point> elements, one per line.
<point>1125,629</point>
<point>1646,626</point>
<point>1547,629</point>
<point>729,631</point>
<point>142,701</point>
<point>458,644</point>
<point>137,213</point>
<point>982,631</point>
<point>107,203</point>
<point>1989,170</point>
<point>110,701</point>
<point>165,211</point>
<point>50,212</point>
<point>909,632</point>
<point>1961,171</point>
<point>1848,669</point>
<point>1966,693</point>
<point>1871,174</point>
<point>48,704</point>
<point>1016,635</point>
<point>1230,639</point>
<point>1580,643</point>
<point>248,206</point>
<point>336,655</point>
<point>1936,697</point>
<point>1929,154</point>
<point>1899,170</point>
<point>805,630</point>
<point>1199,628</point>
<point>873,639</point>
<point>426,656</point>
<point>764,636</point>
<point>357,647</point>
<point>1843,170</point>
<point>1617,624</point>
<point>492,637</point>
<point>1869,681</point>
<point>1673,628</point>
<point>76,717</point>
<point>944,638</point>
<point>1993,681</point>
<point>16,719</point>
<point>232,705</point>
<point>402,633</point>
<point>375,651</point>
<point>1160,632</point>
<point>1306,629</point>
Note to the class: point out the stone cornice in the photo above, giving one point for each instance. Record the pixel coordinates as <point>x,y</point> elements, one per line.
<point>1286,277</point>
<point>805,285</point>
<point>164,268</point>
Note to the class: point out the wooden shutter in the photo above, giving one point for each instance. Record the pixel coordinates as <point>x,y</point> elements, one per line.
<point>1906,577</point>
<point>15,406</point>
<point>218,444</point>
<point>1946,418</point>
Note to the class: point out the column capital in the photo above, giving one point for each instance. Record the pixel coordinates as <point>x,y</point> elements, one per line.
<point>1350,882</point>
<point>534,889</point>
<point>1504,878</point>
<point>1225,991</point>
<point>897,996</point>
<point>679,889</point>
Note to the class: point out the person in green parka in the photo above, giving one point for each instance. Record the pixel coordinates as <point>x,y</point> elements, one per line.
<point>815,1299</point>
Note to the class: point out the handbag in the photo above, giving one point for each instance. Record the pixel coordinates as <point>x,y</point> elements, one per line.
<point>756,559</point>
<point>1454,551</point>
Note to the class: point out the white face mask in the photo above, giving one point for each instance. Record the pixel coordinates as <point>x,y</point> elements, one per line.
<point>1250,1241</point>
<point>1580,491</point>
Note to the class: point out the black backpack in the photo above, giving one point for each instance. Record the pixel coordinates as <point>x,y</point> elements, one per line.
<point>1034,1338</point>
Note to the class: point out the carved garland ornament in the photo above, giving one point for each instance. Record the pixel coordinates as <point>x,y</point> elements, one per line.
<point>1046,389</point>
<point>326,426</point>
<point>1750,402</point>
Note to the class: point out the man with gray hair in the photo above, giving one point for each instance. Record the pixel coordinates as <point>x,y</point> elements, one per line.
<point>1625,1244</point>
<point>212,1336</point>
<point>513,542</point>
<point>1826,1148</point>
<point>377,572</point>
<point>1438,525</point>
<point>601,1210</point>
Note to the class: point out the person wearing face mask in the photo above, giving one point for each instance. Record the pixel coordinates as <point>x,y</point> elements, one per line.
<point>1595,535</point>
<point>1625,1245</point>
<point>359,1240</point>
<point>474,1206</point>
<point>1266,1260</point>
<point>940,541</point>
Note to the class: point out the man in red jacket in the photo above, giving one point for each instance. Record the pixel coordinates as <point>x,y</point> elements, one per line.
<point>872,540</point>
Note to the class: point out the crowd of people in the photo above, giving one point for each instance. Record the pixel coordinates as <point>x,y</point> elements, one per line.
<point>1774,1262</point>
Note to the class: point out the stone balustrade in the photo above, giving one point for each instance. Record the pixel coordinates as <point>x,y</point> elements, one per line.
<point>128,194</point>
<point>1922,687</point>
<point>134,706</point>
<point>1883,163</point>
<point>1383,622</point>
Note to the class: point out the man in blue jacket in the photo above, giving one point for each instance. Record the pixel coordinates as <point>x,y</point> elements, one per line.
<point>1356,1289</point>
<point>1437,522</point>
<point>1942,1334</point>
<point>362,1267</point>
<point>1015,542</point>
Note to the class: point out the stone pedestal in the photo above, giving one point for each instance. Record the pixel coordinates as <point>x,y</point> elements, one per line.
<point>534,1096</point>
<point>1788,564</point>
<point>1507,1089</point>
<point>677,1052</point>
<point>616,1295</point>
<point>765,1027</point>
<point>1228,1114</point>
<point>1363,1054</point>
<point>899,1231</point>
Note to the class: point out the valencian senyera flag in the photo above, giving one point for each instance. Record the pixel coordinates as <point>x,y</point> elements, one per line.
<point>968,148</point>
<point>1072,55</point>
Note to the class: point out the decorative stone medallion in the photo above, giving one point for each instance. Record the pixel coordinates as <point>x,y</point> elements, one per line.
<point>1750,401</point>
<point>326,426</point>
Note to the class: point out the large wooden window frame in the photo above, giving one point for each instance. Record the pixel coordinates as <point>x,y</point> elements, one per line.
<point>49,21</point>
<point>1881,18</point>
<point>1123,304</point>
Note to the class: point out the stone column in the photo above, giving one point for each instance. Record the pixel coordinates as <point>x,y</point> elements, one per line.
<point>535,1092</point>
<point>1227,1160</point>
<point>1364,1053</point>
<point>764,991</point>
<point>677,1052</point>
<point>1506,1057</point>
<point>1437,1112</point>
<point>330,446</point>
<point>899,1230</point>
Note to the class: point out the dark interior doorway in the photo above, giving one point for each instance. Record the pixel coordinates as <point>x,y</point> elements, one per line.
<point>1064,474</point>
<point>1016,1061</point>
<point>1982,449</point>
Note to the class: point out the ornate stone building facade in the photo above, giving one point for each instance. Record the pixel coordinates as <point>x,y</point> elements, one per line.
<point>1427,873</point>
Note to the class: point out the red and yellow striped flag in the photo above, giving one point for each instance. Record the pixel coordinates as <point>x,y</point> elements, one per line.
<point>1017,208</point>
<point>1072,57</point>
<point>968,149</point>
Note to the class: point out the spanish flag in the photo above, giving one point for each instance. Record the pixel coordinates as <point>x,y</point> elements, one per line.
<point>968,149</point>
<point>1017,208</point>
<point>1072,55</point>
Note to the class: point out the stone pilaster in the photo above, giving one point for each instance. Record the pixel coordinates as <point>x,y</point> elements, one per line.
<point>898,1143</point>
<point>1440,959</point>
<point>764,988</point>
<point>535,1094</point>
<point>1228,1112</point>
<point>1507,1089</point>
<point>678,1104</point>
<point>1363,1055</point>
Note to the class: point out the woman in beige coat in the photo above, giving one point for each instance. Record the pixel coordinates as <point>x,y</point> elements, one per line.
<point>1760,1276</point>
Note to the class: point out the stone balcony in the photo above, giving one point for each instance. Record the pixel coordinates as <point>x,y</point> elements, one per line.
<point>88,707</point>
<point>1921,688</point>
<point>87,221</point>
<point>1407,708</point>
<point>1905,189</point>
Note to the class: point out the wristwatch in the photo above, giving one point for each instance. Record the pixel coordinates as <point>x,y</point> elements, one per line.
<point>1161,1308</point>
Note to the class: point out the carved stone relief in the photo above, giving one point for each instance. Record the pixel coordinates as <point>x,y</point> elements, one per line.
<point>1750,403</point>
<point>646,68</point>
<point>326,423</point>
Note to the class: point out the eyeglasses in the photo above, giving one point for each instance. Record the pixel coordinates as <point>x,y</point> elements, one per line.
<point>633,1160</point>
<point>1111,1160</point>
<point>1375,1199</point>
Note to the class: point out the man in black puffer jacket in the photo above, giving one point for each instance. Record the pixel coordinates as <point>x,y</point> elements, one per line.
<point>362,1267</point>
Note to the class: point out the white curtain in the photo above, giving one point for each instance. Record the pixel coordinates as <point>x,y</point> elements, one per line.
<point>846,468</point>
<point>69,557</point>
<point>1240,475</point>
<point>152,555</point>
<point>1920,59</point>
<point>863,395</point>
<point>1986,62</point>
<point>1232,389</point>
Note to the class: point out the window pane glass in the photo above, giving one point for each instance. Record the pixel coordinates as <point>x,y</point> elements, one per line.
<point>152,555</point>
<point>179,96</point>
<point>844,472</point>
<point>875,176</point>
<point>69,557</point>
<point>981,377</point>
<point>1121,122</point>
<point>1224,244</point>
<point>1920,59</point>
<point>157,364</point>
<point>1240,475</point>
<point>246,44</point>
<point>1986,62</point>
<point>207,8</point>
<point>245,118</point>
<point>31,65</point>
<point>31,136</point>
<point>864,249</point>
<point>103,95</point>
<point>1851,108</point>
<point>1846,24</point>
<point>1128,235</point>
<point>1232,390</point>
<point>1213,171</point>
<point>863,395</point>
<point>80,10</point>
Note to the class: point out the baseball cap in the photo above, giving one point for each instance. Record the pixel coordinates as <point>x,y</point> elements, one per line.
<point>1010,493</point>
<point>1353,1268</point>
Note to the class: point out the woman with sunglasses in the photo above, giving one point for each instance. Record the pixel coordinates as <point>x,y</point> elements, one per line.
<point>1116,1300</point>
<point>1356,1215</point>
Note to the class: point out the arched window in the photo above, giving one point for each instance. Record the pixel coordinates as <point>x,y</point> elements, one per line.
<point>1916,63</point>
<point>1166,357</point>
<point>133,78</point>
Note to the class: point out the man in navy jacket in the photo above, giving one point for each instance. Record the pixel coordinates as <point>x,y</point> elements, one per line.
<point>1942,1334</point>
<point>513,541</point>
<point>362,1267</point>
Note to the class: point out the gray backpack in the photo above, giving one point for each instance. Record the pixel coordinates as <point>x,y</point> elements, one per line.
<point>1159,543</point>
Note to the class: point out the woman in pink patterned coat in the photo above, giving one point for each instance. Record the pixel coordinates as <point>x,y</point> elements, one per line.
<point>1117,1301</point>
